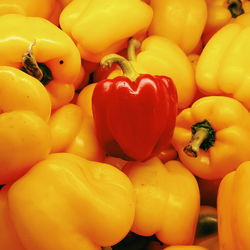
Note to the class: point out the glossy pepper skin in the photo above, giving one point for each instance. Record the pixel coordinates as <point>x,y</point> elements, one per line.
<point>24,111</point>
<point>222,12</point>
<point>73,204</point>
<point>47,9</point>
<point>211,136</point>
<point>222,68</point>
<point>112,25</point>
<point>233,209</point>
<point>134,114</point>
<point>183,26</point>
<point>158,55</point>
<point>167,200</point>
<point>49,46</point>
<point>73,131</point>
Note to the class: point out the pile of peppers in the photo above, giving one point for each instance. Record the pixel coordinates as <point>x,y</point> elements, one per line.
<point>124,125</point>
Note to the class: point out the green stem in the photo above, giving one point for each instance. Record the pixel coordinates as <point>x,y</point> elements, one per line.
<point>235,7</point>
<point>125,65</point>
<point>133,46</point>
<point>203,136</point>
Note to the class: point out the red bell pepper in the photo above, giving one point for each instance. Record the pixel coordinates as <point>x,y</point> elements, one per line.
<point>135,113</point>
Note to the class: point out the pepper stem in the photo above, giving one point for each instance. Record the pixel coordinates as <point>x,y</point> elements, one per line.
<point>133,46</point>
<point>30,63</point>
<point>235,7</point>
<point>203,136</point>
<point>125,65</point>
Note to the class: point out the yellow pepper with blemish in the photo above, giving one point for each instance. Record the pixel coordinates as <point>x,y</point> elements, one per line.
<point>223,67</point>
<point>222,12</point>
<point>160,56</point>
<point>233,209</point>
<point>212,136</point>
<point>167,200</point>
<point>24,111</point>
<point>180,21</point>
<point>66,202</point>
<point>38,47</point>
<point>101,27</point>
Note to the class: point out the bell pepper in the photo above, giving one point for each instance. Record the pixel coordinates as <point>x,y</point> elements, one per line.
<point>167,200</point>
<point>112,25</point>
<point>25,140</point>
<point>211,136</point>
<point>73,204</point>
<point>233,209</point>
<point>73,131</point>
<point>185,248</point>
<point>38,47</point>
<point>222,12</point>
<point>177,19</point>
<point>134,114</point>
<point>24,111</point>
<point>19,91</point>
<point>160,56</point>
<point>45,9</point>
<point>222,68</point>
<point>8,236</point>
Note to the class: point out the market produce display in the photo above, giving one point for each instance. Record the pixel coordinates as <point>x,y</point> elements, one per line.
<point>124,125</point>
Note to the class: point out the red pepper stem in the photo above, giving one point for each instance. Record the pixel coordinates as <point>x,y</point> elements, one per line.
<point>193,147</point>
<point>133,46</point>
<point>125,65</point>
<point>30,63</point>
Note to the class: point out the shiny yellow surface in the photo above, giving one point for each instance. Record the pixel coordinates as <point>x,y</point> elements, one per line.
<point>25,140</point>
<point>52,47</point>
<point>66,202</point>
<point>223,67</point>
<point>218,15</point>
<point>101,27</point>
<point>230,120</point>
<point>167,200</point>
<point>19,91</point>
<point>180,21</point>
<point>233,209</point>
<point>73,131</point>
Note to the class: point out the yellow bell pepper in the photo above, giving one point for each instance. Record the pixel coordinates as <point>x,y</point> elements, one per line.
<point>180,21</point>
<point>102,27</point>
<point>28,41</point>
<point>33,8</point>
<point>167,200</point>
<point>222,68</point>
<point>233,209</point>
<point>8,236</point>
<point>160,56</point>
<point>24,111</point>
<point>20,91</point>
<point>222,12</point>
<point>73,131</point>
<point>185,248</point>
<point>212,136</point>
<point>66,202</point>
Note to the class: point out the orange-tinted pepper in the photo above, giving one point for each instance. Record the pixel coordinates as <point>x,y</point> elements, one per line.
<point>66,202</point>
<point>27,40</point>
<point>102,27</point>
<point>211,136</point>
<point>233,209</point>
<point>167,200</point>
